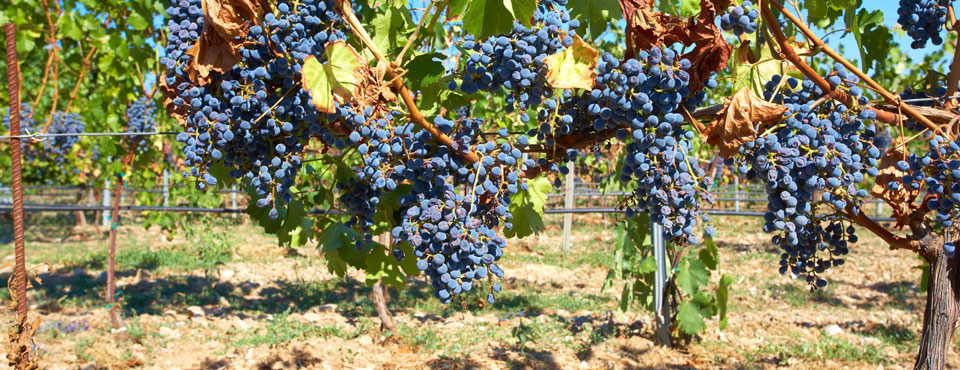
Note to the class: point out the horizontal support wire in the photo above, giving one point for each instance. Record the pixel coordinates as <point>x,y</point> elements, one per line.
<point>41,136</point>
<point>29,207</point>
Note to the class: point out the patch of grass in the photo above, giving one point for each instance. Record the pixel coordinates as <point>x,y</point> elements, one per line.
<point>282,330</point>
<point>798,295</point>
<point>825,348</point>
<point>900,337</point>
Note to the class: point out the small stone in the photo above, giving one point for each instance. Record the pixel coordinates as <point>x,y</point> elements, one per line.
<point>196,311</point>
<point>454,324</point>
<point>227,274</point>
<point>166,331</point>
<point>365,340</point>
<point>312,317</point>
<point>240,324</point>
<point>89,366</point>
<point>832,330</point>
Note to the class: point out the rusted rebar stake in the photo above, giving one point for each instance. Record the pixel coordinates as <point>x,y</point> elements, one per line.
<point>18,350</point>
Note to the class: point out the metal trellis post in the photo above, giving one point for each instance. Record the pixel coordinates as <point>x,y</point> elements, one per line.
<point>660,283</point>
<point>166,188</point>
<point>568,204</point>
<point>736,192</point>
<point>106,202</point>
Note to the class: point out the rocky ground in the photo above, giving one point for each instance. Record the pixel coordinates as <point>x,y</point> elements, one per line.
<point>220,295</point>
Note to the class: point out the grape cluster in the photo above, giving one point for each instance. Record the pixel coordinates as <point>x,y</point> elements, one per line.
<point>811,164</point>
<point>938,173</point>
<point>740,19</point>
<point>28,125</point>
<point>254,118</point>
<point>184,27</point>
<point>141,118</point>
<point>639,99</point>
<point>515,61</point>
<point>455,235</point>
<point>60,146</point>
<point>923,20</point>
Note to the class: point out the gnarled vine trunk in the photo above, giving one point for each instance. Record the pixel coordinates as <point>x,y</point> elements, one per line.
<point>941,312</point>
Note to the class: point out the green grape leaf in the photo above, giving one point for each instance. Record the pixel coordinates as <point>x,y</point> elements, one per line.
<point>527,209</point>
<point>692,275</point>
<point>523,10</point>
<point>261,214</point>
<point>293,220</point>
<point>689,319</point>
<point>626,297</point>
<point>874,39</point>
<point>574,67</point>
<point>709,254</point>
<point>821,13</point>
<point>336,236</point>
<point>456,8</point>
<point>336,243</point>
<point>388,26</point>
<point>595,14</point>
<point>723,296</point>
<point>424,69</point>
<point>338,79</point>
<point>383,266</point>
<point>842,4</point>
<point>485,18</point>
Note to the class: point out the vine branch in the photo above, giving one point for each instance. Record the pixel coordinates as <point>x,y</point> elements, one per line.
<point>954,76</point>
<point>791,54</point>
<point>415,115</point>
<point>83,72</point>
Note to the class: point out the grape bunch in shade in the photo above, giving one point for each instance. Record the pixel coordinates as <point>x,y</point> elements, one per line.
<point>141,118</point>
<point>740,19</point>
<point>515,61</point>
<point>28,125</point>
<point>923,20</point>
<point>255,118</point>
<point>812,164</point>
<point>937,173</point>
<point>60,146</point>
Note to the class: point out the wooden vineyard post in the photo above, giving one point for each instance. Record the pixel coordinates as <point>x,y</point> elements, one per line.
<point>21,335</point>
<point>114,218</point>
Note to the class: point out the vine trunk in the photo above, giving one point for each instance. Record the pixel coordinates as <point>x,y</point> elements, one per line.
<point>941,312</point>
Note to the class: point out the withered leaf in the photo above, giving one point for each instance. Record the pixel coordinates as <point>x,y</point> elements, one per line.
<point>901,199</point>
<point>225,27</point>
<point>647,28</point>
<point>736,124</point>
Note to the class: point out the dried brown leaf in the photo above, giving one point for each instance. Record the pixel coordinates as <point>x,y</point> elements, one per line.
<point>901,199</point>
<point>647,28</point>
<point>736,123</point>
<point>226,23</point>
<point>178,112</point>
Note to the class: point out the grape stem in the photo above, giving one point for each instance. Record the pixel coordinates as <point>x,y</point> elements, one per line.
<point>954,76</point>
<point>416,32</point>
<point>822,83</point>
<point>894,241</point>
<point>83,71</point>
<point>415,115</point>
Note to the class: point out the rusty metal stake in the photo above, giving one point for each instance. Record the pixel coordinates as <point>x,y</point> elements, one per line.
<point>115,319</point>
<point>20,338</point>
